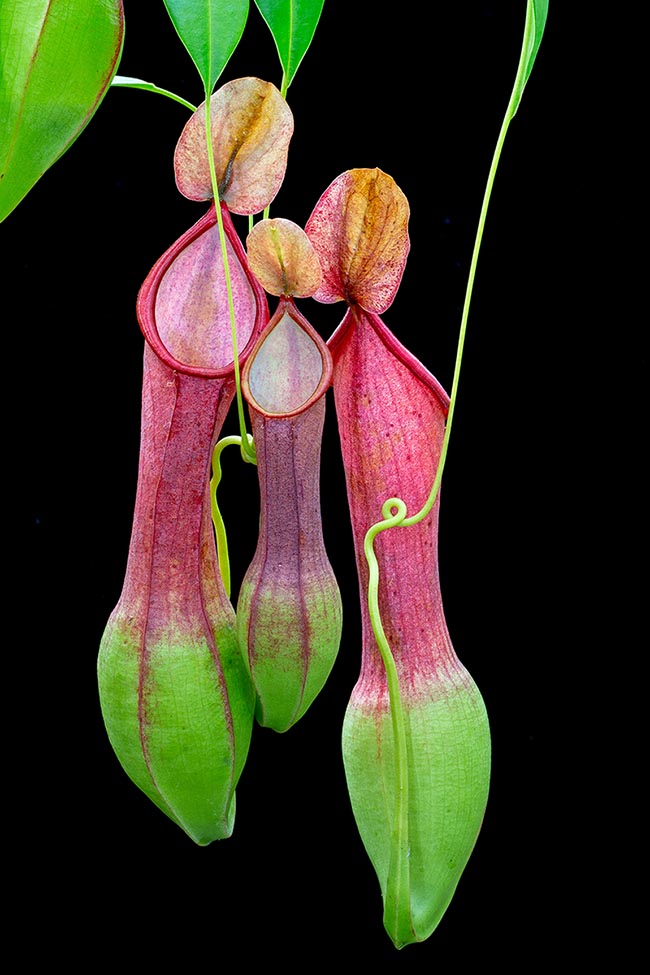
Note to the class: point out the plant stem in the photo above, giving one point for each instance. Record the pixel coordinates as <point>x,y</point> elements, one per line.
<point>217,519</point>
<point>247,446</point>
<point>397,882</point>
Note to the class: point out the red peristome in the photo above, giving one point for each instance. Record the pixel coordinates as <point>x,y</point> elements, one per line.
<point>391,416</point>
<point>288,373</point>
<point>186,289</point>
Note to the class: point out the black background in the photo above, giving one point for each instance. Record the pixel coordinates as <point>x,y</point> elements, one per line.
<point>422,97</point>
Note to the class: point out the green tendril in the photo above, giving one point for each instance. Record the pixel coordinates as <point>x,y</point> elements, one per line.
<point>394,511</point>
<point>217,517</point>
<point>398,885</point>
<point>246,441</point>
<point>283,91</point>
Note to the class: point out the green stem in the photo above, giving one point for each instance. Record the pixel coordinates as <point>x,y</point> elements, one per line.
<point>283,91</point>
<point>394,512</point>
<point>512,107</point>
<point>398,875</point>
<point>217,518</point>
<point>247,446</point>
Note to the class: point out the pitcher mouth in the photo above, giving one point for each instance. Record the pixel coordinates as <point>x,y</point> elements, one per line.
<point>321,373</point>
<point>146,306</point>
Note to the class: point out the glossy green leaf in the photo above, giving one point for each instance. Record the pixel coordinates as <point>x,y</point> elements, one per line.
<point>536,14</point>
<point>210,30</point>
<point>539,13</point>
<point>57,59</point>
<point>292,24</point>
<point>123,81</point>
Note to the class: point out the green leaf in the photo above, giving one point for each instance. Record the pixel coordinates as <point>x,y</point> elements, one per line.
<point>536,13</point>
<point>292,24</point>
<point>210,30</point>
<point>539,13</point>
<point>122,81</point>
<point>57,59</point>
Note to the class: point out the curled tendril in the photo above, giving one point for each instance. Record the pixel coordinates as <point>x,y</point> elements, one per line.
<point>217,518</point>
<point>394,512</point>
<point>394,517</point>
